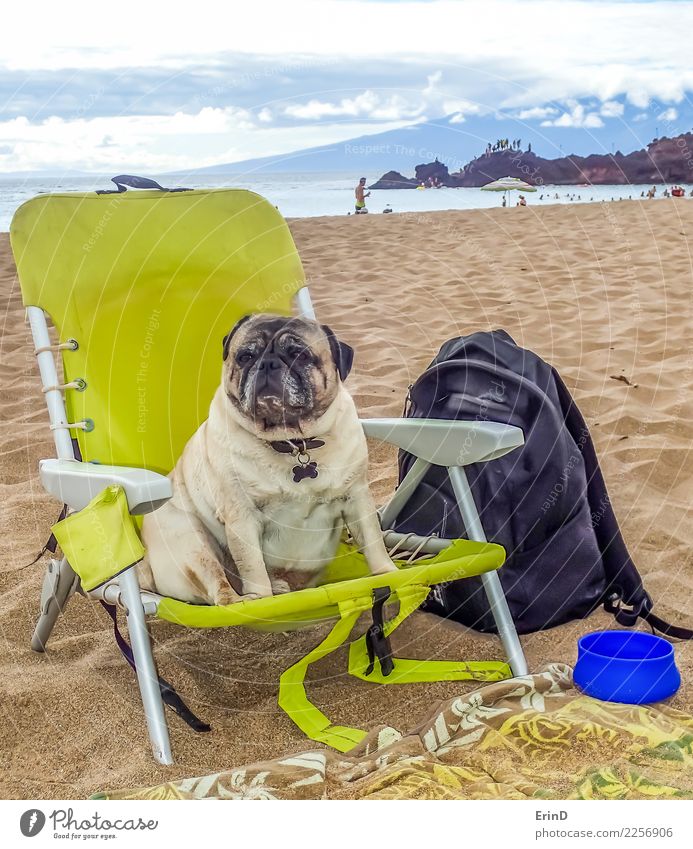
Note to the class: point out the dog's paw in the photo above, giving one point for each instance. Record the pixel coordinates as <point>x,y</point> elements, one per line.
<point>254,589</point>
<point>383,567</point>
<point>226,596</point>
<point>280,586</point>
<point>254,596</point>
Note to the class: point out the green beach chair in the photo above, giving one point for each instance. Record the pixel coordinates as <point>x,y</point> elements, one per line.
<point>140,288</point>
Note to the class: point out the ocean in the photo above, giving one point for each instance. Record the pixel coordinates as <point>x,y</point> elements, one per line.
<point>306,195</point>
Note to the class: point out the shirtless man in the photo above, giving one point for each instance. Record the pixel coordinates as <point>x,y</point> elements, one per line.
<point>361,196</point>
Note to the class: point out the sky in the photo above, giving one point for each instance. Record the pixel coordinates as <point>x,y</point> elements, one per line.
<point>174,86</point>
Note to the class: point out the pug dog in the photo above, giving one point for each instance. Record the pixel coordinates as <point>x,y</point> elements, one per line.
<point>265,486</point>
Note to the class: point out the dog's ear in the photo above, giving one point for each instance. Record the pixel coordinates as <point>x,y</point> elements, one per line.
<point>229,335</point>
<point>342,354</point>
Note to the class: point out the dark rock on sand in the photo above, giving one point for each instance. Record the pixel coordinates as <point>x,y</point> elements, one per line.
<point>394,180</point>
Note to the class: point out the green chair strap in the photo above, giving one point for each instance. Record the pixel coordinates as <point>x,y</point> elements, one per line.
<point>420,671</point>
<point>292,692</point>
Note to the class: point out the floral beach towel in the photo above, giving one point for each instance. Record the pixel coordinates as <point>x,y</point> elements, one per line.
<point>533,737</point>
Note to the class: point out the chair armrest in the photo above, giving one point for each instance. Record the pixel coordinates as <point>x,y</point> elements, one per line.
<point>75,484</point>
<point>446,442</point>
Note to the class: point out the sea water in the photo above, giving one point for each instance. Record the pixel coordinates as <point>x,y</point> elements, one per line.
<point>304,195</point>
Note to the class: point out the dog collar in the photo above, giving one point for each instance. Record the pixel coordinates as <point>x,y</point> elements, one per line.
<point>298,448</point>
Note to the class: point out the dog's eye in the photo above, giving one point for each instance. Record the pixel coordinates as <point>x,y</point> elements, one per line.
<point>243,357</point>
<point>296,352</point>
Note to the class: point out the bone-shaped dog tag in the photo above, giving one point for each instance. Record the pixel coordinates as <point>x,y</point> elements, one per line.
<point>307,470</point>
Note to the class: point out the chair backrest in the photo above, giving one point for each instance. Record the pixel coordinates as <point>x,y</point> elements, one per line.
<point>148,283</point>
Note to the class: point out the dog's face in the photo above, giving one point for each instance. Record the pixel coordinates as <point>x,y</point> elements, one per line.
<point>283,373</point>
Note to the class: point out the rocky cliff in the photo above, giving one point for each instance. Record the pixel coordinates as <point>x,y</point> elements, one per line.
<point>664,160</point>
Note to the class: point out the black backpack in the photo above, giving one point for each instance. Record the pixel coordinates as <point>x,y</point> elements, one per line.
<point>546,503</point>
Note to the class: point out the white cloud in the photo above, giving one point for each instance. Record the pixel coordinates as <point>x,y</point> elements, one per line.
<point>431,101</point>
<point>155,143</point>
<point>611,109</point>
<point>606,50</point>
<point>152,141</point>
<point>536,112</point>
<point>591,33</point>
<point>668,115</point>
<point>432,81</point>
<point>639,95</point>
<point>641,116</point>
<point>450,106</point>
<point>577,117</point>
<point>457,118</point>
<point>368,104</point>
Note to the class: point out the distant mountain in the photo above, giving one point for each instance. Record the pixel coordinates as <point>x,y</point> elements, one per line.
<point>665,160</point>
<point>455,140</point>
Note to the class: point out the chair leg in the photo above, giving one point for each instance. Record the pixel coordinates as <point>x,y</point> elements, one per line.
<point>504,622</point>
<point>491,582</point>
<point>146,670</point>
<point>59,583</point>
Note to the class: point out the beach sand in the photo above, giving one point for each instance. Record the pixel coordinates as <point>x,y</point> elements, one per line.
<point>601,291</point>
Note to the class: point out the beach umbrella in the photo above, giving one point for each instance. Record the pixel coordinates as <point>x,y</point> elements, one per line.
<point>508,184</point>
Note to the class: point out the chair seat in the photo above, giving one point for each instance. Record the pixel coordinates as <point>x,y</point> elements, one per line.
<point>346,578</point>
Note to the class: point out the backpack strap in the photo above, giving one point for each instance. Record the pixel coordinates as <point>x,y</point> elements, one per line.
<point>51,543</point>
<point>643,610</point>
<point>168,695</point>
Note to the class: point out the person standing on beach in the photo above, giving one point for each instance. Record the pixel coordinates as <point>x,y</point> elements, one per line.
<point>361,195</point>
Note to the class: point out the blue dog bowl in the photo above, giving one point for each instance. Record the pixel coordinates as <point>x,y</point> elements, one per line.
<point>626,666</point>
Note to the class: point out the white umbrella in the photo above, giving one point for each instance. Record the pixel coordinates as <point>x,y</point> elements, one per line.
<point>508,184</point>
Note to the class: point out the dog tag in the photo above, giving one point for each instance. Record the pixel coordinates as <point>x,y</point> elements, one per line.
<point>305,470</point>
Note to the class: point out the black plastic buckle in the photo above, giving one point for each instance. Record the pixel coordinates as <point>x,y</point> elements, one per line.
<point>627,617</point>
<point>377,644</point>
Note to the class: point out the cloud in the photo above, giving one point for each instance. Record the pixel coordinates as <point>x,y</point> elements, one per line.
<point>431,101</point>
<point>276,76</point>
<point>432,81</point>
<point>611,109</point>
<point>591,33</point>
<point>670,114</point>
<point>456,105</point>
<point>84,143</point>
<point>155,143</point>
<point>577,117</point>
<point>368,104</point>
<point>639,96</point>
<point>536,112</point>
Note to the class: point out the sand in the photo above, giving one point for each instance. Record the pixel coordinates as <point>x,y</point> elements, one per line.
<point>601,291</point>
